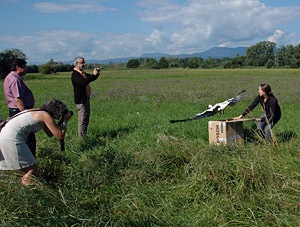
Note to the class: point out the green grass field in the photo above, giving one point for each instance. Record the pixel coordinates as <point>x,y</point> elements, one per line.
<point>137,169</point>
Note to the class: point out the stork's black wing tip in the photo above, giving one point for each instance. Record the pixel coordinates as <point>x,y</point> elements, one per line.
<point>182,120</point>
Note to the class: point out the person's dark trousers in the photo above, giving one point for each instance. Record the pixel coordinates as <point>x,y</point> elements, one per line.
<point>31,140</point>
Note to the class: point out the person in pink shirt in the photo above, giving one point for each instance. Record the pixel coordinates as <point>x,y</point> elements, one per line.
<point>18,95</point>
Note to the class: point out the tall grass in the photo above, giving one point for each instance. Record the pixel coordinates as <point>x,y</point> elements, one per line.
<point>136,169</point>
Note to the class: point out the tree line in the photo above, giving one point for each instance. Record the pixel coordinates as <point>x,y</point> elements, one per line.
<point>262,54</point>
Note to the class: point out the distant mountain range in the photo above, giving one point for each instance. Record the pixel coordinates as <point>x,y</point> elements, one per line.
<point>215,52</point>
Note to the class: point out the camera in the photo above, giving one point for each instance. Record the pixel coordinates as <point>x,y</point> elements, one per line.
<point>98,69</point>
<point>66,112</point>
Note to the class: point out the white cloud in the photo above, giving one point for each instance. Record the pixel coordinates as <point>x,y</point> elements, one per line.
<point>82,7</point>
<point>217,22</point>
<point>278,35</point>
<point>155,37</point>
<point>174,27</point>
<point>283,38</point>
<point>64,45</point>
<point>59,45</point>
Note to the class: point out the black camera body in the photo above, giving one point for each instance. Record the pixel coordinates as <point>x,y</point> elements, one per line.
<point>64,113</point>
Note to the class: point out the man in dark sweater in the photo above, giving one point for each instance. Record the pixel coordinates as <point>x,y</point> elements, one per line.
<point>82,92</point>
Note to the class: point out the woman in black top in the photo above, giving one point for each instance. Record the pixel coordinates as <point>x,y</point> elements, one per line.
<point>271,114</point>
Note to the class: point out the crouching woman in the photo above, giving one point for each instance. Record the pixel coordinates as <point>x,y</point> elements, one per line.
<point>14,152</point>
<point>271,111</point>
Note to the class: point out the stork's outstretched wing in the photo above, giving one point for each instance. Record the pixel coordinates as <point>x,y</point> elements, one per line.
<point>212,110</point>
<point>237,98</point>
<point>207,113</point>
<point>230,102</point>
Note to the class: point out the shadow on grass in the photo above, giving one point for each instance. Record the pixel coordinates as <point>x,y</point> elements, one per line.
<point>95,139</point>
<point>286,136</point>
<point>53,162</point>
<point>251,135</point>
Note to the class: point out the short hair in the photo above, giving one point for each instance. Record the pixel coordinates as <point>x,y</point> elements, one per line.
<point>17,62</point>
<point>77,59</point>
<point>55,108</point>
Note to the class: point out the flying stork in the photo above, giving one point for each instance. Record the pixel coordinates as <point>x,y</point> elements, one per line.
<point>214,109</point>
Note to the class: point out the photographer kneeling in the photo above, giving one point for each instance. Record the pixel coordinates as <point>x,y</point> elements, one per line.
<point>14,152</point>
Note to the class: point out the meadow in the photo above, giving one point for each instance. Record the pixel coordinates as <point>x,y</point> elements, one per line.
<point>137,169</point>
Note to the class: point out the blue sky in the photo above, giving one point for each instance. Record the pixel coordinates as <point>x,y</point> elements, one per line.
<point>104,29</point>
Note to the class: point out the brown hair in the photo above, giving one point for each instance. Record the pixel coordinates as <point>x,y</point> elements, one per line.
<point>17,62</point>
<point>266,88</point>
<point>55,108</point>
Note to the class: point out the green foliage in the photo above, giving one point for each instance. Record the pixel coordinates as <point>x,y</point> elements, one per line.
<point>32,69</point>
<point>149,63</point>
<point>163,63</point>
<point>133,64</point>
<point>6,59</point>
<point>52,67</point>
<point>236,62</point>
<point>136,169</point>
<point>174,62</point>
<point>286,56</point>
<point>269,64</point>
<point>210,63</point>
<point>194,63</point>
<point>61,67</point>
<point>297,55</point>
<point>48,68</point>
<point>260,53</point>
<point>45,69</point>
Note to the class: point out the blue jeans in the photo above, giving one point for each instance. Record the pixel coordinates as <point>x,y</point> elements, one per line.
<point>265,127</point>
